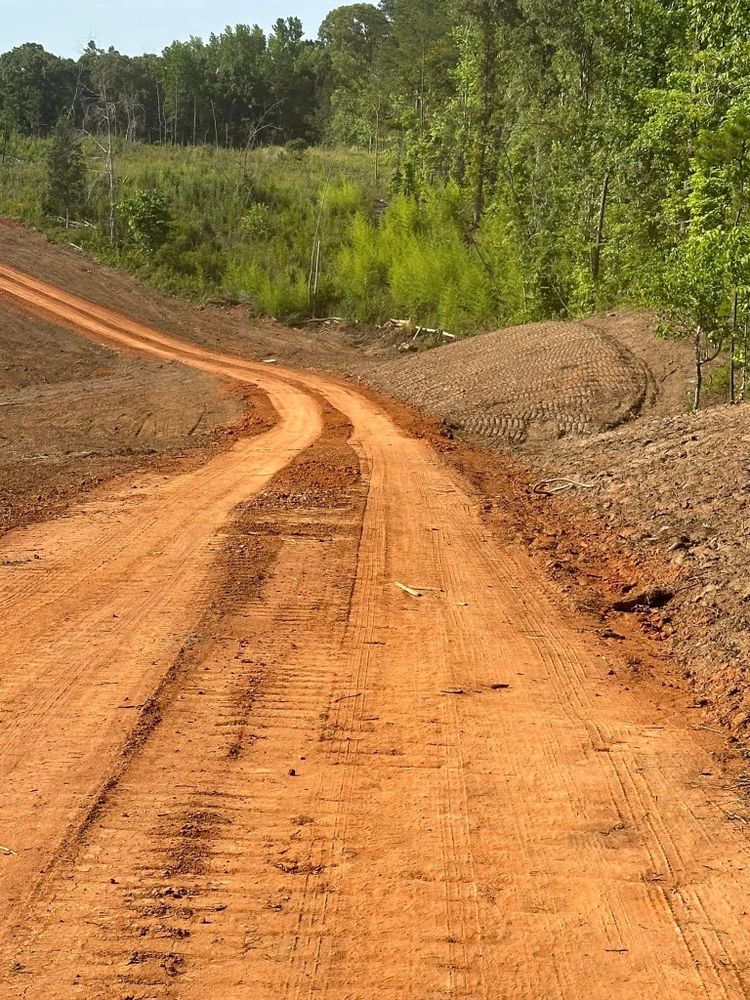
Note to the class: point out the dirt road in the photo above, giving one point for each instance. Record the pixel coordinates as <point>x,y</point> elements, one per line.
<point>239,761</point>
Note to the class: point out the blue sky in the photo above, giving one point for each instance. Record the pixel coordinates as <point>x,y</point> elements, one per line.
<point>137,26</point>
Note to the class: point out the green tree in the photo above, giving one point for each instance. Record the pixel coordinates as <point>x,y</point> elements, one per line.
<point>66,173</point>
<point>359,43</point>
<point>35,87</point>
<point>694,293</point>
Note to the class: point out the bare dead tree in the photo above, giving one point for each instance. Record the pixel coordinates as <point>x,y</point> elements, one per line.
<point>103,113</point>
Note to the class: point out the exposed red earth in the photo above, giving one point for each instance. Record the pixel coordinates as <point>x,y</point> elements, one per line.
<point>292,720</point>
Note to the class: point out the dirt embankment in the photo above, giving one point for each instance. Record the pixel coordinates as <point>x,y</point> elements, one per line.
<point>656,539</point>
<point>226,328</point>
<point>74,415</point>
<point>674,493</point>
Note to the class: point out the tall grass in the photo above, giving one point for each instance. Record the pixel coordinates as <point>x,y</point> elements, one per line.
<point>243,225</point>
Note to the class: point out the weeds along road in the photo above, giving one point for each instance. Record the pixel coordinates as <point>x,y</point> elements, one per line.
<point>238,761</point>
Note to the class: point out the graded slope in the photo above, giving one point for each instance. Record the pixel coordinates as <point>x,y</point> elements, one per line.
<point>343,789</point>
<point>677,490</point>
<point>542,380</point>
<point>74,414</point>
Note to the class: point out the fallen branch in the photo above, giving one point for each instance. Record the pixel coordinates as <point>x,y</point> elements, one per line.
<point>77,224</point>
<point>408,590</point>
<point>8,851</point>
<point>551,487</point>
<point>406,324</point>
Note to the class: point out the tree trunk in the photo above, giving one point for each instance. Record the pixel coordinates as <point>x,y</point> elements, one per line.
<point>112,186</point>
<point>596,255</point>
<point>158,108</point>
<point>216,124</point>
<point>489,27</point>
<point>110,169</point>
<point>377,147</point>
<point>422,113</point>
<point>698,372</point>
<point>732,340</point>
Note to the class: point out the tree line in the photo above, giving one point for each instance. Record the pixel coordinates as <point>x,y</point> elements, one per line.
<point>588,152</point>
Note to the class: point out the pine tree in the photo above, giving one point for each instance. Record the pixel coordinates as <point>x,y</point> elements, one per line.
<point>66,173</point>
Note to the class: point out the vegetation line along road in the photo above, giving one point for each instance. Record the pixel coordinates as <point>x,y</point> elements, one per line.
<point>338,783</point>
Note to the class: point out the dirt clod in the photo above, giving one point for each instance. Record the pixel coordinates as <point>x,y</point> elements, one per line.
<point>644,600</point>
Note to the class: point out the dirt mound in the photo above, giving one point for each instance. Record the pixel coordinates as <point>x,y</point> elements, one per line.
<point>542,380</point>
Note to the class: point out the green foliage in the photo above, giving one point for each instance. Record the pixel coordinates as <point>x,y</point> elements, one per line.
<point>361,274</point>
<point>146,219</point>
<point>511,159</point>
<point>256,222</point>
<point>66,173</point>
<point>419,264</point>
<point>35,88</point>
<point>694,284</point>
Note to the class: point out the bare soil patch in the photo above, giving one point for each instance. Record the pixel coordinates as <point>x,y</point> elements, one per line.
<point>74,415</point>
<point>178,822</point>
<point>675,493</point>
<point>664,535</point>
<point>544,380</point>
<point>345,751</point>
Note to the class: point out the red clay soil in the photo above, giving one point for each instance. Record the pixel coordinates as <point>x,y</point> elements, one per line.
<point>75,415</point>
<point>637,489</point>
<point>388,764</point>
<point>674,493</point>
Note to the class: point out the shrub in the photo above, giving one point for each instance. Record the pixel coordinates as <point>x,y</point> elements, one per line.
<point>146,219</point>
